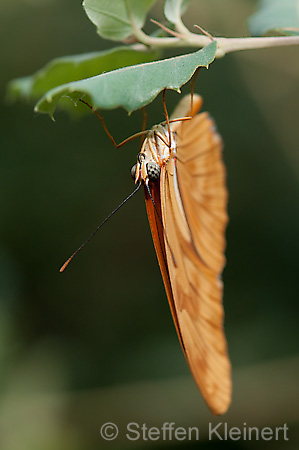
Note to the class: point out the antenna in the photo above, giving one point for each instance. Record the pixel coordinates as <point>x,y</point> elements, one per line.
<point>64,266</point>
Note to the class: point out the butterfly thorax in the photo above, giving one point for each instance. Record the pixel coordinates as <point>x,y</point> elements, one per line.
<point>157,148</point>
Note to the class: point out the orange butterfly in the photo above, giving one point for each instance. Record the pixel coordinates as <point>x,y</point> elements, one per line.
<point>181,167</point>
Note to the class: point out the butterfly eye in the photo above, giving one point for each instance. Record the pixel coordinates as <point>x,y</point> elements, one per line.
<point>133,171</point>
<point>141,157</point>
<point>153,171</point>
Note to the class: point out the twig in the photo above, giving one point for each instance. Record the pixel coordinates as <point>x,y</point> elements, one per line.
<point>204,32</point>
<point>168,30</point>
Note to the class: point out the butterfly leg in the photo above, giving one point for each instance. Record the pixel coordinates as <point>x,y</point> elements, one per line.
<point>166,117</point>
<point>140,133</point>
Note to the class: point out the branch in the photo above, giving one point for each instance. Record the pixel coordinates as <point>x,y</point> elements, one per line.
<point>224,45</point>
<point>227,45</point>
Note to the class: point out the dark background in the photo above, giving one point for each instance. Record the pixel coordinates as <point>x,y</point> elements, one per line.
<point>97,344</point>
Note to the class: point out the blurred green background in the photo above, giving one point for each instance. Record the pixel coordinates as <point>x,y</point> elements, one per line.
<point>97,344</point>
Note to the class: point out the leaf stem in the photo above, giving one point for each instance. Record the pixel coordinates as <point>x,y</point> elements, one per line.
<point>182,29</point>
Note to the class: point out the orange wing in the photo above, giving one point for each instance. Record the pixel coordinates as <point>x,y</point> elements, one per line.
<point>158,239</point>
<point>193,201</point>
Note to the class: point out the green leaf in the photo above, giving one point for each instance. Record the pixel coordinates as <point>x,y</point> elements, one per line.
<point>174,9</point>
<point>112,17</point>
<point>76,67</point>
<point>131,87</point>
<point>275,17</point>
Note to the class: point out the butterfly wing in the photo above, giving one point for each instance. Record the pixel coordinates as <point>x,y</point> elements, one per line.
<point>193,203</point>
<point>154,218</point>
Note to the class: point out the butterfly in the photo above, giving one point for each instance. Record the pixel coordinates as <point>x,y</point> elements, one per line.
<point>180,164</point>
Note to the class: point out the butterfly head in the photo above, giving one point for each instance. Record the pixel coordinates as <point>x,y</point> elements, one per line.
<point>154,154</point>
<point>145,170</point>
